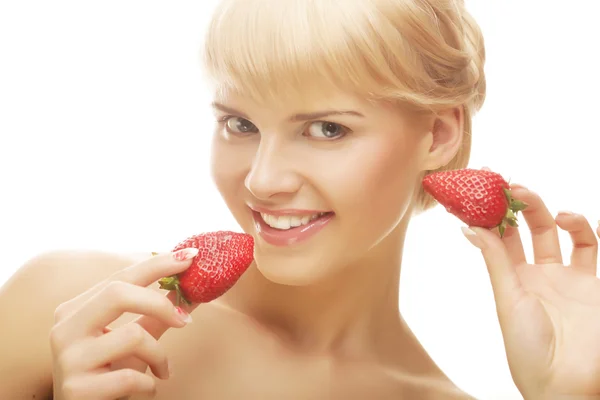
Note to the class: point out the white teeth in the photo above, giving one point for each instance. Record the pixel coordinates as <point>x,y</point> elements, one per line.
<point>295,221</point>
<point>286,222</point>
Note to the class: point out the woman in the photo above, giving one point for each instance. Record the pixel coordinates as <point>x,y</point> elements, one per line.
<point>328,113</point>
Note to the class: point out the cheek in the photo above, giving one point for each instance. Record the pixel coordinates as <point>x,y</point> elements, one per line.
<point>387,172</point>
<point>229,166</point>
<point>377,185</point>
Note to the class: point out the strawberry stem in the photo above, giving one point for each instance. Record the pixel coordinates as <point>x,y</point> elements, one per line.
<point>510,218</point>
<point>172,283</point>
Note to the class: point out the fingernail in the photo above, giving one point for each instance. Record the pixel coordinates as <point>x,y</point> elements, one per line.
<point>566,212</point>
<point>185,254</point>
<point>471,235</point>
<point>183,316</point>
<point>518,186</point>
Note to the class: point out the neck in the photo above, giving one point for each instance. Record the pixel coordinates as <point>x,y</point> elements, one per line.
<point>355,311</point>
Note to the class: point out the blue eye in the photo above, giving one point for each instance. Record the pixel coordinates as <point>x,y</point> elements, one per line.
<point>326,130</point>
<point>239,126</point>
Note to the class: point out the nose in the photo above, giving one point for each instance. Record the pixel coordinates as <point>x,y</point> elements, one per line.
<point>272,174</point>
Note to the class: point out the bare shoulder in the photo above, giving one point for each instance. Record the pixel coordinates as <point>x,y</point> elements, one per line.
<point>75,269</point>
<point>28,300</point>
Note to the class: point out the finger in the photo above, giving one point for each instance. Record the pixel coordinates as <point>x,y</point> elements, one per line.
<point>110,303</point>
<point>143,273</point>
<point>514,245</point>
<point>156,327</point>
<point>152,269</point>
<point>585,245</point>
<point>118,298</point>
<point>503,275</point>
<point>112,385</point>
<point>128,340</point>
<point>544,232</point>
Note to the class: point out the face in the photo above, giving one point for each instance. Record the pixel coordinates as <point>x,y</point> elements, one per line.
<point>318,183</point>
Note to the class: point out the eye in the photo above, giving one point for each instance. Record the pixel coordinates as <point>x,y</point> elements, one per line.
<point>239,126</point>
<point>326,130</point>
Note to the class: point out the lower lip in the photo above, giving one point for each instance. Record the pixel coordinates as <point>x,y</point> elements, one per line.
<point>279,237</point>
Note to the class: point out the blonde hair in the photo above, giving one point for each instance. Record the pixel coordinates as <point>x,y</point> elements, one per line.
<point>428,54</point>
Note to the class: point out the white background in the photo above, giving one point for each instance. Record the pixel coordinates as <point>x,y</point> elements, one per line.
<point>104,134</point>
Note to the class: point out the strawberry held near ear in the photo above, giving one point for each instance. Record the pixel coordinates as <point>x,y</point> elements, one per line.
<point>479,198</point>
<point>222,259</point>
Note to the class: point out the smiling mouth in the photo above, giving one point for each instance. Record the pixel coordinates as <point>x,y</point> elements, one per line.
<point>288,227</point>
<point>287,222</point>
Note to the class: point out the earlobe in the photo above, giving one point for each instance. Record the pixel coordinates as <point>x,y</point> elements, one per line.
<point>445,138</point>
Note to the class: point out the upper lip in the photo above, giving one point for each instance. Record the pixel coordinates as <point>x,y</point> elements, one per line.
<point>284,211</point>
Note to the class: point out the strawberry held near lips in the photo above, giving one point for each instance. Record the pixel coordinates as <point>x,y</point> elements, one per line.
<point>479,198</point>
<point>222,259</point>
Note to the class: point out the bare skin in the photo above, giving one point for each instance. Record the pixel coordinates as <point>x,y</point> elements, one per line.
<point>316,320</point>
<point>222,354</point>
<point>232,351</point>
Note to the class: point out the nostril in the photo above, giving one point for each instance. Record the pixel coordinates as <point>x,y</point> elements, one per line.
<point>264,183</point>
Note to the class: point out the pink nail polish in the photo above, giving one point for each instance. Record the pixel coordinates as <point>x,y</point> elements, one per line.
<point>185,254</point>
<point>563,212</point>
<point>518,186</point>
<point>472,236</point>
<point>182,315</point>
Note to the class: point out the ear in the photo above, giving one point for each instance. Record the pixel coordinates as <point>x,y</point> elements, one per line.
<point>444,138</point>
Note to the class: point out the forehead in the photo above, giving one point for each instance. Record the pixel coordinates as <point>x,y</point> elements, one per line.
<point>309,98</point>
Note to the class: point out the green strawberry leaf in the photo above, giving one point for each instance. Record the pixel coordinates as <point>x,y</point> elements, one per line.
<point>501,229</point>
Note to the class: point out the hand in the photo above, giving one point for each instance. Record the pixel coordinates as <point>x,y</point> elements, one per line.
<point>549,313</point>
<point>91,361</point>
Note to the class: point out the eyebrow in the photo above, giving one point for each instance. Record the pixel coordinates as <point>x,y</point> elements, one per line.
<point>295,117</point>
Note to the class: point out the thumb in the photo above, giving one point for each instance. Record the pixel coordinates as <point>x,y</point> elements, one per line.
<point>505,281</point>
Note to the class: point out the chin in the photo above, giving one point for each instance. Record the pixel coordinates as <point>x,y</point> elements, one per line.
<point>301,269</point>
<point>317,259</point>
